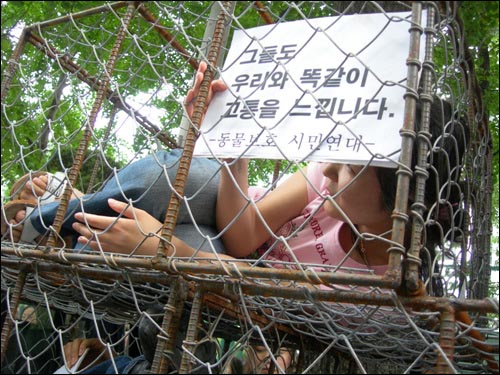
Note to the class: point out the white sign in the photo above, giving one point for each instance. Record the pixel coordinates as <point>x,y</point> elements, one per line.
<point>326,89</point>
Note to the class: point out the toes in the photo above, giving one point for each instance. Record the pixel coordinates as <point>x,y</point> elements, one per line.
<point>17,233</point>
<point>40,184</point>
<point>20,216</point>
<point>34,188</point>
<point>27,193</point>
<point>16,229</point>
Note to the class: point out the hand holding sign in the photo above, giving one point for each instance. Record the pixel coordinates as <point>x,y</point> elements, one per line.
<point>321,89</point>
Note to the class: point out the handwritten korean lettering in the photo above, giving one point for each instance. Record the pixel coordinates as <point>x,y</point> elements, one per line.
<point>269,54</point>
<point>333,77</point>
<point>262,80</point>
<point>269,108</point>
<point>239,139</point>
<point>333,142</point>
<point>249,109</point>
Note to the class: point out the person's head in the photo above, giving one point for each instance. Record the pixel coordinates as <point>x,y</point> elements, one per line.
<point>359,195</point>
<point>369,195</point>
<point>448,139</point>
<point>371,191</point>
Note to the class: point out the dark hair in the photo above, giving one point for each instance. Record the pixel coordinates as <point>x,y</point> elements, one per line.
<point>445,214</point>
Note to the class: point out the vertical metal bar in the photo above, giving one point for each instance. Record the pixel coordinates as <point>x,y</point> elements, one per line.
<point>14,303</point>
<point>446,341</point>
<point>82,148</point>
<point>187,153</point>
<point>404,173</point>
<point>12,64</point>
<point>209,31</point>
<point>191,333</point>
<point>412,279</point>
<point>173,313</point>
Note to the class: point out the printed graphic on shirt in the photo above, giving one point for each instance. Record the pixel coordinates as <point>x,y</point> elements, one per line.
<point>289,231</point>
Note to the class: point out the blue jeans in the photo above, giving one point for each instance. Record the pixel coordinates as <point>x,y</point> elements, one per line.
<point>122,364</point>
<point>145,184</point>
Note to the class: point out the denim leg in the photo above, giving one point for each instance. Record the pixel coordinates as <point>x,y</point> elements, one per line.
<point>196,237</point>
<point>107,367</point>
<point>145,183</point>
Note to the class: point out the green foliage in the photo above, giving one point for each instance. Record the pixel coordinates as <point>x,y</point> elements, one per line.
<point>480,20</point>
<point>481,25</point>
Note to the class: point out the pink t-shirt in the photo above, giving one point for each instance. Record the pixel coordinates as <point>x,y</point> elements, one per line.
<point>317,240</point>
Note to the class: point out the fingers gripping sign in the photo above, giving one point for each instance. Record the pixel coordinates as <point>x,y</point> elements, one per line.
<point>132,229</point>
<point>215,86</point>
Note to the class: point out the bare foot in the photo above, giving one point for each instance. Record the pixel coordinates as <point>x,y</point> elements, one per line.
<point>17,227</point>
<point>35,188</point>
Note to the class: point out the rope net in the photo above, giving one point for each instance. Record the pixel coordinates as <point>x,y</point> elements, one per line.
<point>77,87</point>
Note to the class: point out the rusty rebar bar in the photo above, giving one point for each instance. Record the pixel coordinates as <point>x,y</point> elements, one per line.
<point>12,64</point>
<point>244,277</point>
<point>400,217</point>
<point>66,63</point>
<point>263,12</point>
<point>191,332</point>
<point>446,341</point>
<point>171,323</point>
<point>149,17</point>
<point>87,135</point>
<point>187,152</point>
<point>78,15</point>
<point>14,305</point>
<point>412,278</point>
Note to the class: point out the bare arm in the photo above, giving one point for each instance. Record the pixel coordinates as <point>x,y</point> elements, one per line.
<point>248,231</point>
<point>135,232</point>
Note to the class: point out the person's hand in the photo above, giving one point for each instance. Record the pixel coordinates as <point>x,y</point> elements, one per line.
<point>216,85</point>
<point>75,349</point>
<point>135,232</point>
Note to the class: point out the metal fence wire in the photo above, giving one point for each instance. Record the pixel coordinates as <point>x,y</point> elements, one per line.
<point>75,85</point>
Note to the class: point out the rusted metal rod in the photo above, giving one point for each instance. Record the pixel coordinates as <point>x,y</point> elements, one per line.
<point>404,173</point>
<point>14,305</point>
<point>149,17</point>
<point>246,279</point>
<point>78,15</point>
<point>65,62</point>
<point>187,152</point>
<point>87,135</point>
<point>263,12</point>
<point>192,330</point>
<point>173,313</point>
